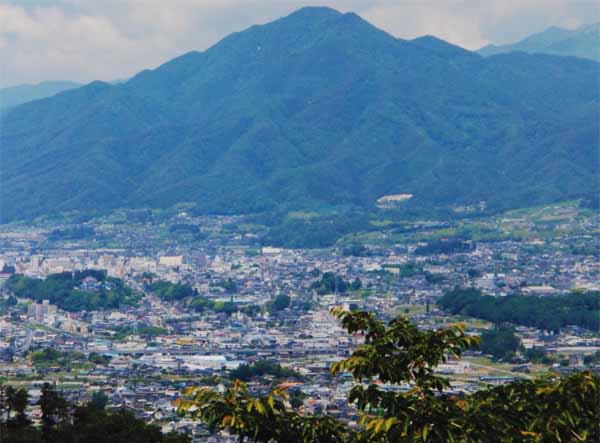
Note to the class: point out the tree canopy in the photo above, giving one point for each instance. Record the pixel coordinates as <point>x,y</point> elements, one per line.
<point>548,312</point>
<point>168,291</point>
<point>500,342</point>
<point>394,353</point>
<point>75,291</point>
<point>63,422</point>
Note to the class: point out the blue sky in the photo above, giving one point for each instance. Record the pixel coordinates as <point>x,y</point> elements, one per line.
<point>84,40</point>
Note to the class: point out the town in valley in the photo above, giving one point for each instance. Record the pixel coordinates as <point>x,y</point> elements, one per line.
<point>201,300</point>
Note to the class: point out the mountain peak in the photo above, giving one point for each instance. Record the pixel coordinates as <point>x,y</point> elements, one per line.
<point>315,12</point>
<point>314,110</point>
<point>319,15</point>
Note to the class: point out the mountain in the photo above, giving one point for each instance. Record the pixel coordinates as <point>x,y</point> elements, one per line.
<point>17,95</point>
<point>582,42</point>
<point>314,110</point>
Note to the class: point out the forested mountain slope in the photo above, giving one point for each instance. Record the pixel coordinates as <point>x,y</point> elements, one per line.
<point>315,109</point>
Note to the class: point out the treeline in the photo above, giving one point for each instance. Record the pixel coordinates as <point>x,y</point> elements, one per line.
<point>148,331</point>
<point>262,368</point>
<point>331,283</point>
<point>184,227</point>
<point>205,304</point>
<point>229,285</point>
<point>62,422</point>
<point>49,357</point>
<point>356,250</point>
<point>450,246</point>
<point>79,232</point>
<point>315,232</point>
<point>548,313</point>
<point>406,270</point>
<point>64,290</point>
<point>500,342</point>
<point>168,291</point>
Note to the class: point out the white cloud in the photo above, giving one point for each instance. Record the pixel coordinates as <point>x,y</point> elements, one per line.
<point>107,39</point>
<point>446,20</point>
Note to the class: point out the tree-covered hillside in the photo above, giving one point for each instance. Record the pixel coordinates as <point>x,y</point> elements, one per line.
<point>313,110</point>
<point>17,95</point>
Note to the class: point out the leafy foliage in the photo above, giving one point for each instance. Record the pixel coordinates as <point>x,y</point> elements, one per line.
<point>540,411</point>
<point>66,423</point>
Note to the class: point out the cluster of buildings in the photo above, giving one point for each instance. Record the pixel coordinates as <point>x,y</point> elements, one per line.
<point>149,353</point>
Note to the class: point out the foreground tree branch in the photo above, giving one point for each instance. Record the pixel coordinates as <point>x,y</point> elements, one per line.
<point>550,409</point>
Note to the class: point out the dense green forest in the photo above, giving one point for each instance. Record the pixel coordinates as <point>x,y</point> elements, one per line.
<point>67,423</point>
<point>168,291</point>
<point>66,290</point>
<point>500,342</point>
<point>202,304</point>
<point>261,368</point>
<point>547,312</point>
<point>318,231</point>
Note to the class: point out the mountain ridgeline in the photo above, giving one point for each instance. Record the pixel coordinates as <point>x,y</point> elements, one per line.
<point>582,42</point>
<point>316,109</point>
<point>17,95</point>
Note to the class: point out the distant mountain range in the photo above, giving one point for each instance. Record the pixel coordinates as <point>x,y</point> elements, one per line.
<point>313,110</point>
<point>581,42</point>
<point>17,95</point>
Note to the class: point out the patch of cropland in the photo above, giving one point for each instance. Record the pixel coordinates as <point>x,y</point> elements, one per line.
<point>314,110</point>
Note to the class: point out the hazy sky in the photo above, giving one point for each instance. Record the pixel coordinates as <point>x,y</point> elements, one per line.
<point>83,40</point>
